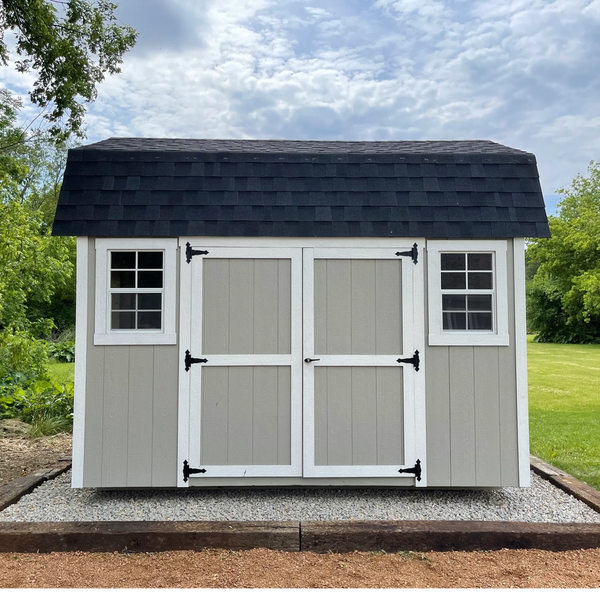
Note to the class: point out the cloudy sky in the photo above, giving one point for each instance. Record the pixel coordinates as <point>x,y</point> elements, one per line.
<point>525,73</point>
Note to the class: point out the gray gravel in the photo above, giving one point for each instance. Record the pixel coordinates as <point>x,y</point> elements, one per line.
<point>56,501</point>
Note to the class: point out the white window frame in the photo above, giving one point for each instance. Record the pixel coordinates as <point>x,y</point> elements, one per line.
<point>442,337</point>
<point>103,335</point>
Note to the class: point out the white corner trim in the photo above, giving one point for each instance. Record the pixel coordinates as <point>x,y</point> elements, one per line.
<point>439,337</point>
<point>81,326</point>
<point>102,334</point>
<point>521,366</point>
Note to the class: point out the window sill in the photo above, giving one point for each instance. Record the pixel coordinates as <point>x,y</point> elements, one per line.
<point>135,339</point>
<point>468,339</point>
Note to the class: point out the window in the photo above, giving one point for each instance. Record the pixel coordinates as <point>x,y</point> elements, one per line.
<point>135,291</point>
<point>467,293</point>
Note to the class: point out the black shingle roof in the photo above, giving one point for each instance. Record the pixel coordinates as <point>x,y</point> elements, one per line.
<point>173,187</point>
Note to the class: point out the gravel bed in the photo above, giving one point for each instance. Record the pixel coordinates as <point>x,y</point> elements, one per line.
<point>56,501</point>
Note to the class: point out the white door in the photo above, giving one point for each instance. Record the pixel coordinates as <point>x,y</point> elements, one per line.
<point>244,367</point>
<point>297,363</point>
<point>359,388</point>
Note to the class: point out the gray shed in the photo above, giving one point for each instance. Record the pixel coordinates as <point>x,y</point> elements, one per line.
<point>278,313</point>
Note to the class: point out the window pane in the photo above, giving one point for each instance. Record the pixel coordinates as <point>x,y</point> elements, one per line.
<point>453,262</point>
<point>122,301</point>
<point>480,321</point>
<point>148,320</point>
<point>122,279</point>
<point>123,320</point>
<point>480,262</point>
<point>122,260</point>
<point>150,279</point>
<point>453,302</point>
<point>480,281</point>
<point>481,303</point>
<point>453,281</point>
<point>455,320</point>
<point>149,301</point>
<point>150,260</point>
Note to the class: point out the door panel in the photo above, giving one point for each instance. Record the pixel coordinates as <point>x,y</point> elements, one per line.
<point>246,306</point>
<point>246,416</point>
<point>358,399</point>
<point>246,398</point>
<point>359,416</point>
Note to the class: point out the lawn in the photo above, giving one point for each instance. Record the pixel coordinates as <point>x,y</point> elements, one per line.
<point>62,372</point>
<point>564,407</point>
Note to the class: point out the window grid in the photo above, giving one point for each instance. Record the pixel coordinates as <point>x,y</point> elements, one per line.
<point>137,307</point>
<point>468,307</point>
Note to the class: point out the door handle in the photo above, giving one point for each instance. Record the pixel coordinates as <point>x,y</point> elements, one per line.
<point>309,360</point>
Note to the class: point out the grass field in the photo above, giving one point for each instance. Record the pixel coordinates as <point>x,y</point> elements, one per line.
<point>63,372</point>
<point>564,407</point>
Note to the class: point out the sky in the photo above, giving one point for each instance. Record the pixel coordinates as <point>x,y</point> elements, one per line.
<point>524,73</point>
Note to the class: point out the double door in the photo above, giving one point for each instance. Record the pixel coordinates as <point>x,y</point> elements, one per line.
<point>300,363</point>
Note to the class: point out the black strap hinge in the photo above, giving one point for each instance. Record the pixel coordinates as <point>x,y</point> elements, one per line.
<point>414,253</point>
<point>187,470</point>
<point>189,360</point>
<point>415,361</point>
<point>189,252</point>
<point>416,470</point>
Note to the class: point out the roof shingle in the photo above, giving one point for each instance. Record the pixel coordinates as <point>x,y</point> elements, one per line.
<point>176,187</point>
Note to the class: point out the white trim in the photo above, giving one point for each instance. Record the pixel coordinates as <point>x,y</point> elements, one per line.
<point>439,337</point>
<point>103,336</point>
<point>287,242</point>
<point>521,360</point>
<point>81,327</point>
<point>185,332</point>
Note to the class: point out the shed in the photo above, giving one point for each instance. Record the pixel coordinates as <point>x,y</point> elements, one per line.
<point>300,313</point>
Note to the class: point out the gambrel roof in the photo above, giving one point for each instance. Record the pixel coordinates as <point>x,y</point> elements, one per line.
<point>129,187</point>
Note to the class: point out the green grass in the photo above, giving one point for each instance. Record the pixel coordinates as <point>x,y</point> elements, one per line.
<point>564,407</point>
<point>62,372</point>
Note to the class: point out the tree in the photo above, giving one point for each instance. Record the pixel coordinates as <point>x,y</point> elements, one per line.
<point>71,45</point>
<point>564,294</point>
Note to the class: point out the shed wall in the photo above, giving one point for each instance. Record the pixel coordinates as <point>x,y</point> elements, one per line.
<point>131,409</point>
<point>472,409</point>
<point>131,412</point>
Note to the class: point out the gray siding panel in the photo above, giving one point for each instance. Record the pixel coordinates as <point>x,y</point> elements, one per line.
<point>487,417</point>
<point>164,422</point>
<point>115,416</point>
<point>247,306</point>
<point>358,306</point>
<point>359,416</point>
<point>437,393</point>
<point>462,417</point>
<point>131,410</point>
<point>246,415</point>
<point>140,429</point>
<point>472,410</point>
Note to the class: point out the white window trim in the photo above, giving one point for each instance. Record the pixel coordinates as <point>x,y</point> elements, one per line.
<point>103,336</point>
<point>440,337</point>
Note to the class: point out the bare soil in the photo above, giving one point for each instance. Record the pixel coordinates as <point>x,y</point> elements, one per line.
<point>20,455</point>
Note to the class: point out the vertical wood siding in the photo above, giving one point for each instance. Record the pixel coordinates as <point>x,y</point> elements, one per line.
<point>472,410</point>
<point>358,306</point>
<point>246,416</point>
<point>247,306</point>
<point>131,411</point>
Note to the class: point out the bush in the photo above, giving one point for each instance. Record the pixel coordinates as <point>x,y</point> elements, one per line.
<point>62,351</point>
<point>41,403</point>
